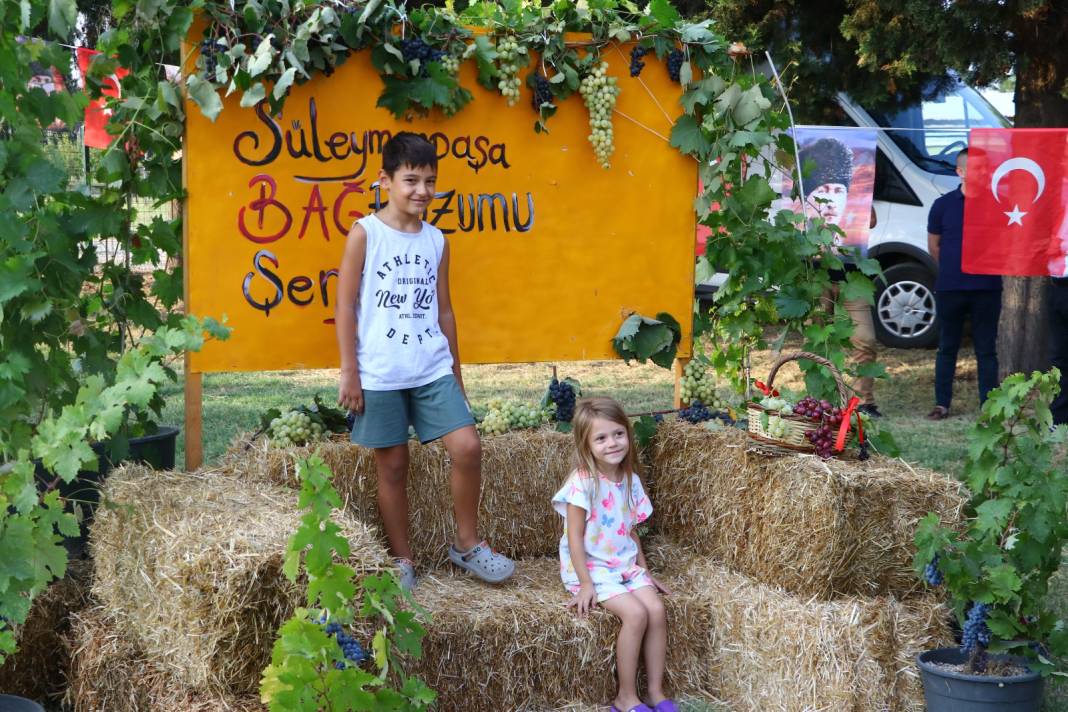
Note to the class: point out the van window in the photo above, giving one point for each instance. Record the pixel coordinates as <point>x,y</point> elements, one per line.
<point>890,185</point>
<point>935,128</point>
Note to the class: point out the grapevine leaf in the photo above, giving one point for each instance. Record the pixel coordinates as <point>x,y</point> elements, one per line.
<point>204,95</point>
<point>858,288</point>
<point>687,137</point>
<point>284,82</point>
<point>629,327</point>
<point>62,14</point>
<point>253,95</point>
<point>651,339</point>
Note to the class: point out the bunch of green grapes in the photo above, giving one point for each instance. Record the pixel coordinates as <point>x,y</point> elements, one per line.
<point>509,52</point>
<point>776,427</point>
<point>775,404</point>
<point>699,386</point>
<point>599,92</point>
<point>503,416</point>
<point>294,428</point>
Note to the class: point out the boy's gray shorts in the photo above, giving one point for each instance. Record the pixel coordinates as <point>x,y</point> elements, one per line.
<point>434,410</point>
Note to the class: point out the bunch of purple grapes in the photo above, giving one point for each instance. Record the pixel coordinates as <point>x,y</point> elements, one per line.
<point>829,416</point>
<point>674,64</point>
<point>350,647</point>
<point>415,48</point>
<point>636,63</point>
<point>562,394</point>
<point>976,632</point>
<point>931,574</point>
<point>209,50</point>
<point>542,92</point>
<point>696,413</point>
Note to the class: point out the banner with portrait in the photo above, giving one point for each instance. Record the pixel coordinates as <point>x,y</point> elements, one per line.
<point>838,174</point>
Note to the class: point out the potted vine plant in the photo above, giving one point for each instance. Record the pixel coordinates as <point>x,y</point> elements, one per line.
<point>996,568</point>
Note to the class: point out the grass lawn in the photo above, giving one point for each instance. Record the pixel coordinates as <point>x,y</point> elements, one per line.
<point>234,402</point>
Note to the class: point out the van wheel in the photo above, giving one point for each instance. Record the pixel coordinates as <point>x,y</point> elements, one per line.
<point>905,315</point>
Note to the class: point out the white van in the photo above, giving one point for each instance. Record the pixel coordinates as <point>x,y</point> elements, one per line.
<point>914,164</point>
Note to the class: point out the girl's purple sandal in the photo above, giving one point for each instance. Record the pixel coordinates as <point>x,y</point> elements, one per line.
<point>665,706</point>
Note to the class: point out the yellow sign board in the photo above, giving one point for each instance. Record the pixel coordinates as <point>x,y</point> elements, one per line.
<point>550,252</point>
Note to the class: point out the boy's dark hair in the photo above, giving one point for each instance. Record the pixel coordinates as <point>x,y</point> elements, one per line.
<point>833,159</point>
<point>408,149</point>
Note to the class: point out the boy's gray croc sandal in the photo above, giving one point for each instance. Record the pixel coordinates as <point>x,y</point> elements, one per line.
<point>405,573</point>
<point>483,562</point>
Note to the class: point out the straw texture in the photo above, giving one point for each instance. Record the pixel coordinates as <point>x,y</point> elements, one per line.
<point>191,565</point>
<point>521,470</point>
<point>817,528</point>
<point>40,668</point>
<point>110,673</point>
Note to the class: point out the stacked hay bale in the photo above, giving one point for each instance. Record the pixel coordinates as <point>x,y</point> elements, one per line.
<point>792,582</point>
<point>521,470</point>
<point>111,673</point>
<point>814,527</point>
<point>39,670</point>
<point>189,573</point>
<point>518,646</point>
<point>807,565</point>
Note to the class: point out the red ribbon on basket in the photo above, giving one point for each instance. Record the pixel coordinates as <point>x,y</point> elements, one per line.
<point>764,389</point>
<point>843,429</point>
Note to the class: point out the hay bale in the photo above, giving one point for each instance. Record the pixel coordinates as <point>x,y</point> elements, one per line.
<point>521,471</point>
<point>772,650</point>
<point>40,668</point>
<point>110,673</point>
<point>191,565</point>
<point>814,527</point>
<point>517,646</point>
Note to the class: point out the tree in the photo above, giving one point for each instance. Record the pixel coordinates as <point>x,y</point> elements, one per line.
<point>882,49</point>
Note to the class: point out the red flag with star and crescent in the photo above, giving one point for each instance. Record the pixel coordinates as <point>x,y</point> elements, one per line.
<point>1016,211</point>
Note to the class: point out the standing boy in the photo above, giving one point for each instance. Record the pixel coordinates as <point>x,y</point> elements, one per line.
<point>400,363</point>
<point>959,295</point>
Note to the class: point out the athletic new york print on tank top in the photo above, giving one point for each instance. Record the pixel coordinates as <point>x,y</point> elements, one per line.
<point>399,341</point>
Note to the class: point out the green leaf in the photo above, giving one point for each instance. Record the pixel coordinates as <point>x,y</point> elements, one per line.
<point>993,514</point>
<point>284,82</point>
<point>629,327</point>
<point>858,288</point>
<point>687,137</point>
<point>253,95</point>
<point>62,14</point>
<point>204,95</point>
<point>652,338</point>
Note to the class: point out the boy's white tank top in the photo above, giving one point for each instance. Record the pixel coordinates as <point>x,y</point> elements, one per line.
<point>399,342</point>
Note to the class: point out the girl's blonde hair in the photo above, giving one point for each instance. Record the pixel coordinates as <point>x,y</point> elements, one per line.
<point>588,410</point>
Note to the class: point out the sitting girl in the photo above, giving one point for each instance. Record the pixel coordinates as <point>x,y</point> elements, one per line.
<point>601,559</point>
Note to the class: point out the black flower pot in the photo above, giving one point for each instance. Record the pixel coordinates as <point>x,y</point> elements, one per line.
<point>948,691</point>
<point>83,492</point>
<point>11,703</point>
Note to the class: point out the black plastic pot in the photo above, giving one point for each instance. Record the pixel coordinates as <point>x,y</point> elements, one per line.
<point>11,703</point>
<point>83,492</point>
<point>948,691</point>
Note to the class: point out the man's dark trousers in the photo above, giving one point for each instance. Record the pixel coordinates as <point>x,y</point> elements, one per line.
<point>1058,336</point>
<point>983,308</point>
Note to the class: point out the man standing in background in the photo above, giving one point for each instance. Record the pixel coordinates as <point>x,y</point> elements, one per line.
<point>831,177</point>
<point>959,296</point>
<point>1058,336</point>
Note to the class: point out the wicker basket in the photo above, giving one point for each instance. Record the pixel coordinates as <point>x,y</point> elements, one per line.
<point>793,440</point>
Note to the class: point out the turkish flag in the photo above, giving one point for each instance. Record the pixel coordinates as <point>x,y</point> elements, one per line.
<point>97,113</point>
<point>1015,218</point>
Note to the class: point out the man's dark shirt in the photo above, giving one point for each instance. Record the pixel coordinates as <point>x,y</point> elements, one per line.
<point>946,219</point>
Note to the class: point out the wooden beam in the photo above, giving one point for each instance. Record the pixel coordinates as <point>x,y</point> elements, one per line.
<point>680,364</point>
<point>194,418</point>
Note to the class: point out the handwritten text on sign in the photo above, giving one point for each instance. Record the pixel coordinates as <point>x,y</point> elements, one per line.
<point>549,251</point>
